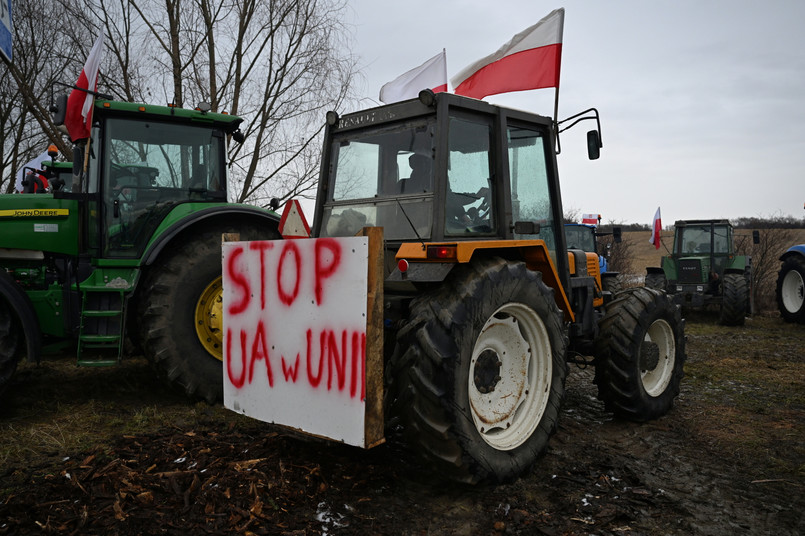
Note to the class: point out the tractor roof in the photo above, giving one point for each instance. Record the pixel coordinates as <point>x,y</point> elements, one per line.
<point>227,122</point>
<point>683,223</point>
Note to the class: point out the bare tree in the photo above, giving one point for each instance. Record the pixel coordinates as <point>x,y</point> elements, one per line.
<point>278,64</point>
<point>26,87</point>
<point>765,262</point>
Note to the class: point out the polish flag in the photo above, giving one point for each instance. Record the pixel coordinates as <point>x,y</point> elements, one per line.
<point>430,75</point>
<point>531,60</point>
<point>590,219</point>
<point>78,119</point>
<point>656,228</point>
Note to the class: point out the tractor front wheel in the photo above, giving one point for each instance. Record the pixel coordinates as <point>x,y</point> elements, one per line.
<point>180,311</point>
<point>640,353</point>
<point>791,289</point>
<point>478,372</point>
<point>734,299</point>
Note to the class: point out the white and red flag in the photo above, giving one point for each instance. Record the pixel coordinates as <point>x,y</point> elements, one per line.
<point>430,75</point>
<point>656,228</point>
<point>530,60</point>
<point>78,119</point>
<point>590,219</point>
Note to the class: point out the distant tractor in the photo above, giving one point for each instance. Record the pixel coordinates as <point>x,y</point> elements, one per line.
<point>584,237</point>
<point>791,285</point>
<point>703,270</point>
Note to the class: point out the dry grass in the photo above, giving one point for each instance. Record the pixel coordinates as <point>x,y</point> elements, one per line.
<point>750,382</point>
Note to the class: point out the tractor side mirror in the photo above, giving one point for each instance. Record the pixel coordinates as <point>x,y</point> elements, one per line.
<point>526,228</point>
<point>756,236</point>
<point>617,236</point>
<point>593,145</point>
<point>59,109</point>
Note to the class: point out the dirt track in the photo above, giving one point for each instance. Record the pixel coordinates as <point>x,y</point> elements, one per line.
<point>729,459</point>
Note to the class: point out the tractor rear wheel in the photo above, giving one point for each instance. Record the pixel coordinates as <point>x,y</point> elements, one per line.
<point>180,310</point>
<point>477,376</point>
<point>9,344</point>
<point>791,289</point>
<point>640,353</point>
<point>734,299</point>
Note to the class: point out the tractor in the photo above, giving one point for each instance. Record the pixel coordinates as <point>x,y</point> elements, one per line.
<point>704,270</point>
<point>483,303</point>
<point>585,237</point>
<point>122,255</point>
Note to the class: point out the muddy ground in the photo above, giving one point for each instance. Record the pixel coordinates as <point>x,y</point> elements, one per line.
<point>110,451</point>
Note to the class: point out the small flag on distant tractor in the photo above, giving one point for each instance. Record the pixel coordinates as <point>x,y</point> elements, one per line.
<point>590,219</point>
<point>656,228</point>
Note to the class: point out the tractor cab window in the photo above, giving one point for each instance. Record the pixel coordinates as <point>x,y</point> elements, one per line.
<point>580,237</point>
<point>528,176</point>
<point>149,168</point>
<point>722,239</point>
<point>694,240</point>
<point>382,177</point>
<point>468,205</point>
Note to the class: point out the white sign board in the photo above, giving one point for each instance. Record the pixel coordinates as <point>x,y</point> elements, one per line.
<point>5,29</point>
<point>294,320</point>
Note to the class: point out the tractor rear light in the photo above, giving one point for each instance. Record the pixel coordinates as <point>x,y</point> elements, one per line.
<point>442,252</point>
<point>402,265</point>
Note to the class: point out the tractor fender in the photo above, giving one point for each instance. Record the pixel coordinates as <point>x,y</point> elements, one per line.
<point>654,270</point>
<point>793,251</point>
<point>21,304</point>
<point>734,271</point>
<point>223,213</point>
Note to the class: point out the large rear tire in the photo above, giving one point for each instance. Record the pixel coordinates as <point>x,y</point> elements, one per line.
<point>734,300</point>
<point>640,354</point>
<point>791,289</point>
<point>10,337</point>
<point>180,311</point>
<point>477,376</point>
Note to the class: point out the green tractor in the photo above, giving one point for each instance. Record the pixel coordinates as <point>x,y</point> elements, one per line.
<point>126,247</point>
<point>703,270</point>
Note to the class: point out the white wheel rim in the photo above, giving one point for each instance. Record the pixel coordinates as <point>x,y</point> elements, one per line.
<point>792,291</point>
<point>512,355</point>
<point>656,379</point>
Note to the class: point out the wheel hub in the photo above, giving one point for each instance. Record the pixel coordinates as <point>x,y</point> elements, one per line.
<point>510,376</point>
<point>649,355</point>
<point>487,371</point>
<point>793,291</point>
<point>208,319</point>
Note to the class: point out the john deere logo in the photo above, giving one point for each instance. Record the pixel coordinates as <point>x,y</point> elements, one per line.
<point>34,213</point>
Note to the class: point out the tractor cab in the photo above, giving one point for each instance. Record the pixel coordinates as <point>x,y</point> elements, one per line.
<point>457,173</point>
<point>145,162</point>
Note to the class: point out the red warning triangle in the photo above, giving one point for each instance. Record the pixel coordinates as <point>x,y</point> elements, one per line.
<point>293,223</point>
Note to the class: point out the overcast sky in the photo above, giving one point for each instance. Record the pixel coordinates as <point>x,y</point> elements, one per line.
<point>702,103</point>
